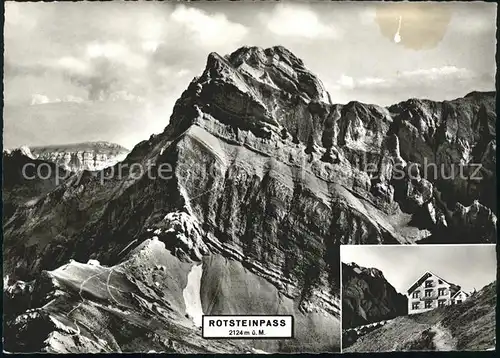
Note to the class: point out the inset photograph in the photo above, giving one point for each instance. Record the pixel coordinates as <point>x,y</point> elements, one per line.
<point>418,298</point>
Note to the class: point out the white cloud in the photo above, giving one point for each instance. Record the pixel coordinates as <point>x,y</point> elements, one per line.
<point>299,21</point>
<point>106,49</point>
<point>150,45</point>
<point>37,98</point>
<point>125,96</point>
<point>183,72</point>
<point>71,98</point>
<point>152,28</point>
<point>209,30</point>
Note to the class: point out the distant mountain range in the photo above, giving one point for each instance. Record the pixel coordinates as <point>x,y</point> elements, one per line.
<point>70,159</point>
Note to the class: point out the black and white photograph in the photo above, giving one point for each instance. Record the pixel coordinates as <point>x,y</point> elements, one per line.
<point>418,298</point>
<point>180,176</point>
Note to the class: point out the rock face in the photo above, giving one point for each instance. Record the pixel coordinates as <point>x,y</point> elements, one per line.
<point>259,178</point>
<point>82,156</point>
<point>367,297</point>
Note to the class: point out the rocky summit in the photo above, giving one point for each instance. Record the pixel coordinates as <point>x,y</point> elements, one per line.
<point>266,178</point>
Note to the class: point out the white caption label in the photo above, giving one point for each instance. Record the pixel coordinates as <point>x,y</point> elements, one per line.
<point>247,327</point>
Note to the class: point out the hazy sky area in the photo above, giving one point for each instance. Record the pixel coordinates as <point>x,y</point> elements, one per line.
<point>469,266</point>
<point>113,70</point>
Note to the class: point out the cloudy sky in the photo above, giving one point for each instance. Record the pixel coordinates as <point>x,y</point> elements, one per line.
<point>112,71</point>
<point>469,266</point>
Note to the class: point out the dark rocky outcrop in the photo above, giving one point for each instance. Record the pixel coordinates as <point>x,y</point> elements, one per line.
<point>368,297</point>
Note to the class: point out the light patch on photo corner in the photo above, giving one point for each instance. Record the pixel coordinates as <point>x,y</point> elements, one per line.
<point>209,30</point>
<point>417,26</point>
